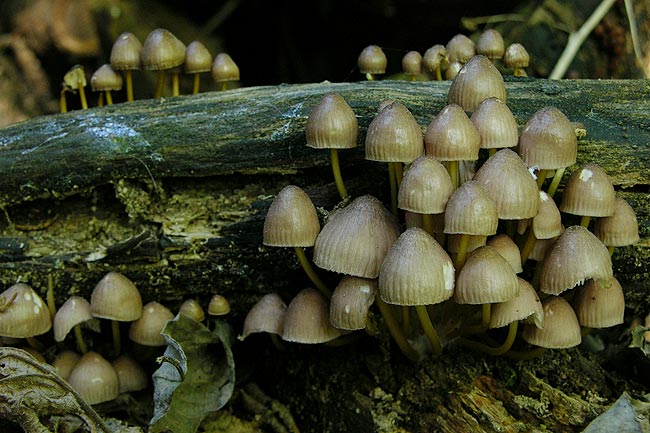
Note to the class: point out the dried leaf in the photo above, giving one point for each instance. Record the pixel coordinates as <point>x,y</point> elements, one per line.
<point>197,377</point>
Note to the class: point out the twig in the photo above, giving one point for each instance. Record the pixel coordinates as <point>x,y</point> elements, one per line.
<point>577,38</point>
<point>634,33</point>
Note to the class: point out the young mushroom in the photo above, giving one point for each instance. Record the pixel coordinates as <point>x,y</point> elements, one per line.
<point>95,379</point>
<point>74,311</point>
<point>165,53</point>
<point>197,60</point>
<point>372,61</point>
<point>126,56</point>
<point>224,70</point>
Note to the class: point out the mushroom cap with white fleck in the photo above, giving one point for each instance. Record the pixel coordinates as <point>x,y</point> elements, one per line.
<point>25,314</point>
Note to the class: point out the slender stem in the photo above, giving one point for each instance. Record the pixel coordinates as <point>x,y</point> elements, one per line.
<point>585,220</point>
<point>100,100</point>
<point>492,151</point>
<point>370,77</point>
<point>224,86</point>
<point>81,344</point>
<point>160,84</point>
<point>486,315</point>
<point>427,222</point>
<point>557,178</point>
<point>399,175</point>
<point>196,84</point>
<point>35,344</point>
<point>393,188</point>
<point>175,84</point>
<point>396,331</point>
<point>611,250</point>
<point>309,270</point>
<point>428,328</point>
<point>462,252</point>
<point>129,85</point>
<point>519,72</point>
<point>495,351</point>
<point>438,73</point>
<point>63,104</point>
<point>528,245</point>
<point>406,320</point>
<point>117,341</point>
<point>109,98</point>
<point>82,97</point>
<point>541,177</point>
<point>336,170</point>
<point>277,341</point>
<point>453,173</point>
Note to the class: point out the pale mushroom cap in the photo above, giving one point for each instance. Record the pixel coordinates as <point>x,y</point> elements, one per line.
<point>452,70</point>
<point>451,136</point>
<point>460,48</point>
<point>350,302</point>
<point>94,378</point>
<point>416,271</point>
<point>561,328</point>
<point>162,50</point>
<point>292,220</point>
<point>426,187</point>
<point>74,311</point>
<point>130,374</point>
<point>471,210</point>
<point>332,124</point>
<point>125,53</point>
<point>548,221</point>
<point>490,44</point>
<point>435,57</point>
<point>115,297</point>
<point>620,229</point>
<point>412,63</point>
<point>147,329</point>
<point>224,68</point>
<point>355,239</point>
<point>548,141</point>
<point>516,56</point>
<point>486,277</point>
<point>526,305</point>
<point>27,316</point>
<point>372,60</point>
<point>479,79</point>
<point>267,315</point>
<point>576,256</point>
<point>307,319</point>
<point>192,309</point>
<point>197,58</point>
<point>496,125</point>
<point>508,249</point>
<point>218,306</point>
<point>510,184</point>
<point>588,191</point>
<point>105,78</point>
<point>600,304</point>
<point>64,363</point>
<point>394,136</point>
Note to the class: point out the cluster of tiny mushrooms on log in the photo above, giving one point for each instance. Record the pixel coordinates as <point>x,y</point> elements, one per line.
<point>449,247</point>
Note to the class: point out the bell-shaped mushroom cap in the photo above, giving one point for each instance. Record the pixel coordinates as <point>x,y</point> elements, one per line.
<point>115,297</point>
<point>130,375</point>
<point>508,249</point>
<point>218,306</point>
<point>470,210</point>
<point>147,329</point>
<point>486,278</point>
<point>460,49</point>
<point>412,63</point>
<point>451,136</point>
<point>126,52</point>
<point>162,50</point>
<point>588,191</point>
<point>516,56</point>
<point>350,302</point>
<point>224,68</point>
<point>394,136</point>
<point>577,255</point>
<point>307,319</point>
<point>94,378</point>
<point>416,271</point>
<point>490,44</point>
<point>510,184</point>
<point>192,309</point>
<point>372,60</point>
<point>435,57</point>
<point>496,125</point>
<point>600,304</point>
<point>74,311</point>
<point>26,315</point>
<point>541,247</point>
<point>332,124</point>
<point>561,328</point>
<point>619,229</point>
<point>197,58</point>
<point>526,305</point>
<point>452,70</point>
<point>426,187</point>
<point>105,78</point>
<point>474,241</point>
<point>267,315</point>
<point>548,221</point>
<point>548,141</point>
<point>64,362</point>
<point>478,80</point>
<point>292,220</point>
<point>355,239</point>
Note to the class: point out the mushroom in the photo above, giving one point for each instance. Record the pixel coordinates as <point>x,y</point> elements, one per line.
<point>23,314</point>
<point>516,57</point>
<point>490,44</point>
<point>435,60</point>
<point>74,311</point>
<point>197,60</point>
<point>192,309</point>
<point>412,64</point>
<point>306,319</point>
<point>372,61</point>
<point>146,331</point>
<point>479,79</point>
<point>162,51</point>
<point>126,56</point>
<point>224,70</point>
<point>94,378</point>
<point>104,80</point>
<point>130,374</point>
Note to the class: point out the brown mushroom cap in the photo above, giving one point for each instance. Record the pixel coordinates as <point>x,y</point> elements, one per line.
<point>516,56</point>
<point>490,44</point>
<point>115,297</point>
<point>267,315</point>
<point>356,238</point>
<point>496,125</point>
<point>460,48</point>
<point>224,68</point>
<point>561,328</point>
<point>197,58</point>
<point>451,136</point>
<point>412,63</point>
<point>292,220</point>
<point>526,305</point>
<point>619,229</point>
<point>394,136</point>
<point>471,210</point>
<point>192,309</point>
<point>508,249</point>
<point>486,278</point>
<point>600,304</point>
<point>105,78</point>
<point>548,141</point>
<point>130,374</point>
<point>218,306</point>
<point>162,50</point>
<point>435,57</point>
<point>548,221</point>
<point>416,271</point>
<point>307,319</point>
<point>426,187</point>
<point>64,362</point>
<point>350,302</point>
<point>126,52</point>
<point>74,311</point>
<point>588,191</point>
<point>478,80</point>
<point>147,329</point>
<point>94,378</point>
<point>26,315</point>
<point>332,124</point>
<point>372,60</point>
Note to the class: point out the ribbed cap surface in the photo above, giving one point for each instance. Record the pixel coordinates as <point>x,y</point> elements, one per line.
<point>307,319</point>
<point>548,141</point>
<point>486,278</point>
<point>350,302</point>
<point>332,124</point>
<point>394,136</point>
<point>425,188</point>
<point>451,136</point>
<point>292,220</point>
<point>561,328</point>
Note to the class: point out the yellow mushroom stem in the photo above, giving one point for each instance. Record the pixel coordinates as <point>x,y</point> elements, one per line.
<point>557,178</point>
<point>100,100</point>
<point>427,222</point>
<point>51,305</point>
<point>452,167</point>
<point>611,250</point>
<point>160,84</point>
<point>370,77</point>
<point>224,86</point>
<point>541,177</point>
<point>528,245</point>
<point>519,72</point>
<point>63,104</point>
<point>336,170</point>
<point>309,270</point>
<point>176,83</point>
<point>585,220</point>
<point>486,310</point>
<point>129,85</point>
<point>492,151</point>
<point>196,86</point>
<point>438,73</point>
<point>109,97</point>
<point>461,256</point>
<point>81,344</point>
<point>82,96</point>
<point>428,329</point>
<point>396,331</point>
<point>35,344</point>
<point>495,351</point>
<point>117,340</point>
<point>393,188</point>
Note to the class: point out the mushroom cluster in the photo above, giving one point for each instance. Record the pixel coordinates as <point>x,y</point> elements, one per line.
<point>453,241</point>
